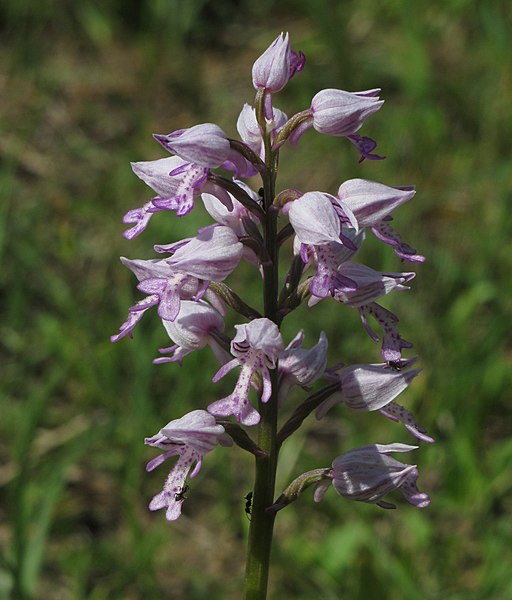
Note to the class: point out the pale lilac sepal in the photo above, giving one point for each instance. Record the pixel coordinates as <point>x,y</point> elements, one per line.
<point>271,71</point>
<point>366,474</point>
<point>314,219</point>
<point>302,366</point>
<point>340,113</point>
<point>191,330</point>
<point>368,387</point>
<point>230,218</point>
<point>157,174</point>
<point>298,366</point>
<point>261,337</point>
<point>370,284</point>
<point>147,269</point>
<point>212,255</point>
<point>249,129</point>
<point>205,144</point>
<point>370,201</point>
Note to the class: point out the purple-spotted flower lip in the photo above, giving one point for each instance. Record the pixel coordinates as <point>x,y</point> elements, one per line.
<point>190,438</point>
<point>177,183</point>
<point>256,347</point>
<point>392,341</point>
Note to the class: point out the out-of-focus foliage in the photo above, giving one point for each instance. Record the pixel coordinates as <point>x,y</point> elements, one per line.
<point>83,85</point>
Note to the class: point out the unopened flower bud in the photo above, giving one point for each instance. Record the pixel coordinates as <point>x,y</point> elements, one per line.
<point>276,66</point>
<point>340,113</point>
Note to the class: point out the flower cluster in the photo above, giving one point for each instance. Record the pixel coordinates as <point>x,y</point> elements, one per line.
<point>186,285</point>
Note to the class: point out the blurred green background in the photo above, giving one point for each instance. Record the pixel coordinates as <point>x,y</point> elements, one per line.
<point>83,85</point>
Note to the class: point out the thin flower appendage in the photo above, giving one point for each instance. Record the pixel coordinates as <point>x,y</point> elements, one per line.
<point>392,342</point>
<point>365,146</point>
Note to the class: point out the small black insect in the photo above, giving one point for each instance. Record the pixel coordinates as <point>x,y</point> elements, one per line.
<point>248,504</point>
<point>180,495</point>
<point>261,192</point>
<point>396,365</point>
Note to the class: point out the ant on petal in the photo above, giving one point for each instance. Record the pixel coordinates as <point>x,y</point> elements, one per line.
<point>180,495</point>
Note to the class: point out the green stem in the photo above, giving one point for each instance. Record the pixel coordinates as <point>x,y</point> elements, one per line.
<point>262,523</point>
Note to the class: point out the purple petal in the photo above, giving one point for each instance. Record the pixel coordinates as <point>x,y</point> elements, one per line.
<point>386,234</point>
<point>398,413</point>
